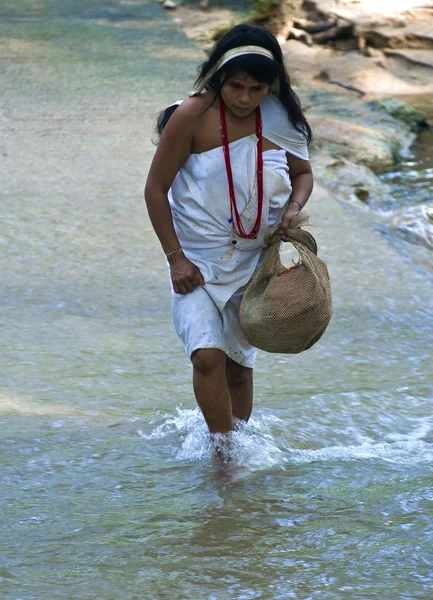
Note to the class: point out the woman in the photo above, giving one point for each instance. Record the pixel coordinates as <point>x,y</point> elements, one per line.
<point>231,163</point>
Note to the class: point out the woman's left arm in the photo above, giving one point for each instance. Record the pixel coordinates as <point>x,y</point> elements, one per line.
<point>301,176</point>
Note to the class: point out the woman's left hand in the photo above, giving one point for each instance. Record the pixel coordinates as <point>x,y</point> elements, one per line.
<point>291,212</point>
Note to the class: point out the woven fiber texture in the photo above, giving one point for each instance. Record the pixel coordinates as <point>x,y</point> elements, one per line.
<point>288,310</point>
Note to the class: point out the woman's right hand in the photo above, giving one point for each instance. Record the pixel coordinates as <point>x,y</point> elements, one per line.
<point>185,275</point>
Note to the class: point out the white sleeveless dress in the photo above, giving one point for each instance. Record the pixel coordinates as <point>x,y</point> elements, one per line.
<point>208,317</point>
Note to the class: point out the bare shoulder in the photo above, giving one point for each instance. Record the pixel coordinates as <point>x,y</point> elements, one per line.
<point>177,140</point>
<point>192,109</point>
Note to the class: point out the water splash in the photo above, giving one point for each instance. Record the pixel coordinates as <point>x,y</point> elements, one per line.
<point>187,438</point>
<point>263,443</point>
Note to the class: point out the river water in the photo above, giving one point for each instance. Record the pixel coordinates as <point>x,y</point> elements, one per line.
<point>108,486</point>
<point>411,181</point>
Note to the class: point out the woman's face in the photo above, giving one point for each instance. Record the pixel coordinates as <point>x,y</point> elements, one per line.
<point>242,94</point>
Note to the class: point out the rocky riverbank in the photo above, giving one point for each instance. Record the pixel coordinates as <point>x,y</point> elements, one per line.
<point>362,47</point>
<point>349,66</point>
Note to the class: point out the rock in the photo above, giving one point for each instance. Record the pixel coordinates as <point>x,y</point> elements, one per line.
<point>169,4</point>
<point>302,58</point>
<point>374,53</point>
<point>365,74</point>
<point>355,130</point>
<point>359,143</point>
<point>348,180</point>
<point>397,20</point>
<point>398,109</point>
<point>363,193</point>
<point>412,36</point>
<point>424,58</point>
<point>416,224</point>
<point>403,25</point>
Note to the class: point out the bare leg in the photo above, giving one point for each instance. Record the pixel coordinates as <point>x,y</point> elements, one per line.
<point>240,384</point>
<point>210,388</point>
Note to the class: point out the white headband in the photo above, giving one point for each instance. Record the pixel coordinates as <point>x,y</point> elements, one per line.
<point>234,53</point>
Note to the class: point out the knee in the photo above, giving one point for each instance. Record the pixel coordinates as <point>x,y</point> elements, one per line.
<point>237,375</point>
<point>207,360</point>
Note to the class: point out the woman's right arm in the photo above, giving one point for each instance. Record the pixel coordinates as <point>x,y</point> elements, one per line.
<point>173,150</point>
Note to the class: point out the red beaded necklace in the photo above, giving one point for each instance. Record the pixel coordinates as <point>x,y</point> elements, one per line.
<point>235,219</point>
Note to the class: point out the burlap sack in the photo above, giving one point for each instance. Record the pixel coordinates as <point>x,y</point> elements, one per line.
<point>287,310</point>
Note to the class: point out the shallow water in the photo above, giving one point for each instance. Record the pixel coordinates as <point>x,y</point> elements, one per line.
<point>411,181</point>
<point>108,485</point>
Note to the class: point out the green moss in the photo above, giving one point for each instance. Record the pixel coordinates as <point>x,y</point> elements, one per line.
<point>401,111</point>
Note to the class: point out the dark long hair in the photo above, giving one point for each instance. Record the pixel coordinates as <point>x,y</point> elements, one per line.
<point>259,67</point>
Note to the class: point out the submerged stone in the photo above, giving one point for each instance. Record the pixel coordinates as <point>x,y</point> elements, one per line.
<point>416,224</point>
